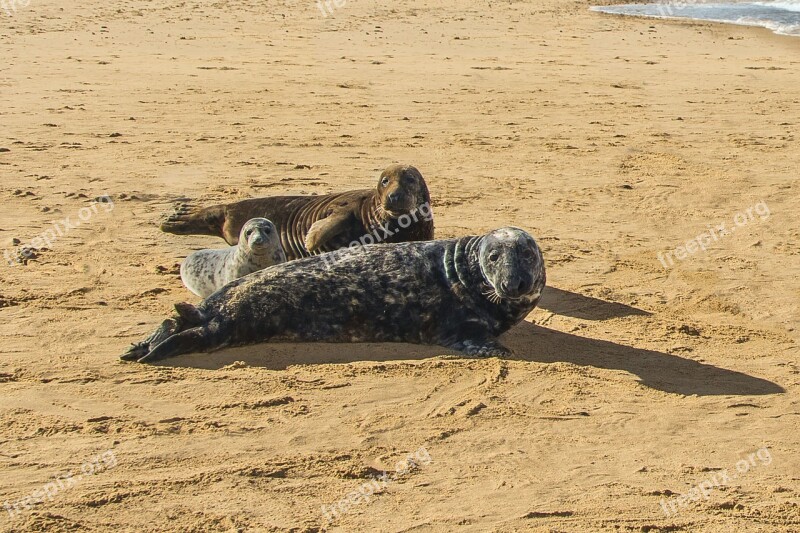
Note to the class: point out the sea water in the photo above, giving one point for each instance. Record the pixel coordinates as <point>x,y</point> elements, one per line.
<point>781,17</point>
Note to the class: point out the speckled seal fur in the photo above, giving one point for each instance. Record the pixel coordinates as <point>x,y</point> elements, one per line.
<point>206,271</point>
<point>459,293</point>
<point>311,225</point>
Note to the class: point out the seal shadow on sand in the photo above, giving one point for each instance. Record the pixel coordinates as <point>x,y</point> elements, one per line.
<point>576,305</point>
<point>657,370</point>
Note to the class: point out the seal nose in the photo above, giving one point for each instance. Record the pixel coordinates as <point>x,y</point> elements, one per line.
<point>259,237</point>
<point>517,287</point>
<point>395,198</point>
<point>525,286</point>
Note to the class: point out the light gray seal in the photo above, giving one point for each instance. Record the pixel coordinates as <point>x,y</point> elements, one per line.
<point>206,271</point>
<point>459,293</point>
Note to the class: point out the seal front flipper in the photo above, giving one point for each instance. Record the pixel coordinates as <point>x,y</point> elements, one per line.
<point>323,231</point>
<point>481,347</point>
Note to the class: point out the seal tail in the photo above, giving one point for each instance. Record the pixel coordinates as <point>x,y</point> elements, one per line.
<point>188,220</point>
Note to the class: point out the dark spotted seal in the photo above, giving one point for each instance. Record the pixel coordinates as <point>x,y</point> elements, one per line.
<point>397,210</point>
<point>206,271</point>
<point>459,293</point>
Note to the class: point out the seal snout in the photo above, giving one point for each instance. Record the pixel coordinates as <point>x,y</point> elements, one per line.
<point>397,201</point>
<point>517,287</point>
<point>261,236</point>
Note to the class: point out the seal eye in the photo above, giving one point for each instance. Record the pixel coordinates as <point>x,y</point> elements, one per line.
<point>494,256</point>
<point>248,233</point>
<point>385,182</point>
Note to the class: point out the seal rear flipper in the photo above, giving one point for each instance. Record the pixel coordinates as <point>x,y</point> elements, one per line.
<point>481,347</point>
<point>188,220</point>
<point>191,340</point>
<point>136,351</point>
<point>140,349</point>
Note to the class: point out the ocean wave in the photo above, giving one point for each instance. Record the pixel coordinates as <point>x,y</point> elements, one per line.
<point>786,6</point>
<point>777,27</point>
<point>781,17</point>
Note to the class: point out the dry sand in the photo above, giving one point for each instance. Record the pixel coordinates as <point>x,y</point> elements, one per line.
<point>609,139</point>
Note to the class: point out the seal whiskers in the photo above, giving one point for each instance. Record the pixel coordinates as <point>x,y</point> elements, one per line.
<point>490,293</point>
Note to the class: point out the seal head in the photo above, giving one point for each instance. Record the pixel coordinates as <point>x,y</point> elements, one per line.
<point>259,237</point>
<point>401,190</point>
<point>511,263</point>
<point>499,277</point>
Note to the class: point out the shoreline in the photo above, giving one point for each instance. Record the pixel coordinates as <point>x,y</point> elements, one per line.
<point>596,9</point>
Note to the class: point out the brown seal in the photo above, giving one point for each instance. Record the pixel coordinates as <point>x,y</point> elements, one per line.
<point>397,210</point>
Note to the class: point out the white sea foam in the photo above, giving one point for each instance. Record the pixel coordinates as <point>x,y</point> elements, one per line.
<point>788,6</point>
<point>780,16</point>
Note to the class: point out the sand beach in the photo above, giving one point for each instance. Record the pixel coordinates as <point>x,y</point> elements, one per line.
<point>655,388</point>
